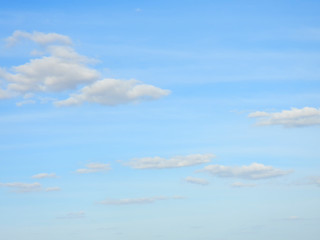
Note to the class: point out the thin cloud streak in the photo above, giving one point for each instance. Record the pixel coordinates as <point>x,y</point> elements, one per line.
<point>254,171</point>
<point>174,162</point>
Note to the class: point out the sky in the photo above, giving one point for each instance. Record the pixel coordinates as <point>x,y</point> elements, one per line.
<point>134,120</point>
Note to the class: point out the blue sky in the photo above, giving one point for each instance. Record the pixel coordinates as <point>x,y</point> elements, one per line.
<point>159,120</point>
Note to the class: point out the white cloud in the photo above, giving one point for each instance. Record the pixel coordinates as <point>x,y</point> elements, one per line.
<point>23,187</point>
<point>242,185</point>
<point>128,201</point>
<point>94,167</point>
<point>63,70</point>
<point>253,171</point>
<point>60,69</point>
<point>199,181</point>
<point>113,92</point>
<point>38,37</point>
<point>44,175</point>
<point>174,162</point>
<point>295,117</point>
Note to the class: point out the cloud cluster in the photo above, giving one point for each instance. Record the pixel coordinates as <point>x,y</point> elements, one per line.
<point>174,162</point>
<point>198,181</point>
<point>60,69</point>
<point>253,171</point>
<point>94,167</point>
<point>295,117</point>
<point>128,201</point>
<point>28,187</point>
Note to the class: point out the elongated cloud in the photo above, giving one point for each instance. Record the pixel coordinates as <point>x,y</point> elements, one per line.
<point>198,181</point>
<point>174,162</point>
<point>113,92</point>
<point>60,69</point>
<point>253,171</point>
<point>38,37</point>
<point>94,167</point>
<point>23,187</point>
<point>44,175</point>
<point>73,215</point>
<point>295,117</point>
<point>20,187</point>
<point>128,201</point>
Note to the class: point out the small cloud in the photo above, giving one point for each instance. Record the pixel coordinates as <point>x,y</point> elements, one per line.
<point>128,201</point>
<point>174,162</point>
<point>138,10</point>
<point>94,167</point>
<point>23,187</point>
<point>253,171</point>
<point>38,37</point>
<point>52,189</point>
<point>295,117</point>
<point>242,185</point>
<point>44,175</point>
<point>30,101</point>
<point>198,181</point>
<point>73,215</point>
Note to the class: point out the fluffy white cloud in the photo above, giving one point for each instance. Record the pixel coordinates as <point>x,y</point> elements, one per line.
<point>242,185</point>
<point>64,69</point>
<point>194,180</point>
<point>60,68</point>
<point>253,171</point>
<point>295,117</point>
<point>128,201</point>
<point>44,175</point>
<point>94,167</point>
<point>38,37</point>
<point>174,162</point>
<point>113,92</point>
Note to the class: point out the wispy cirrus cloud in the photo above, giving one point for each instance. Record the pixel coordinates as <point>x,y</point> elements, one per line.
<point>199,181</point>
<point>20,187</point>
<point>73,215</point>
<point>242,185</point>
<point>128,201</point>
<point>60,69</point>
<point>253,171</point>
<point>174,162</point>
<point>307,116</point>
<point>94,167</point>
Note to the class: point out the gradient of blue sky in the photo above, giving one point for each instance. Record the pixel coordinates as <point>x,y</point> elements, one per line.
<point>221,60</point>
